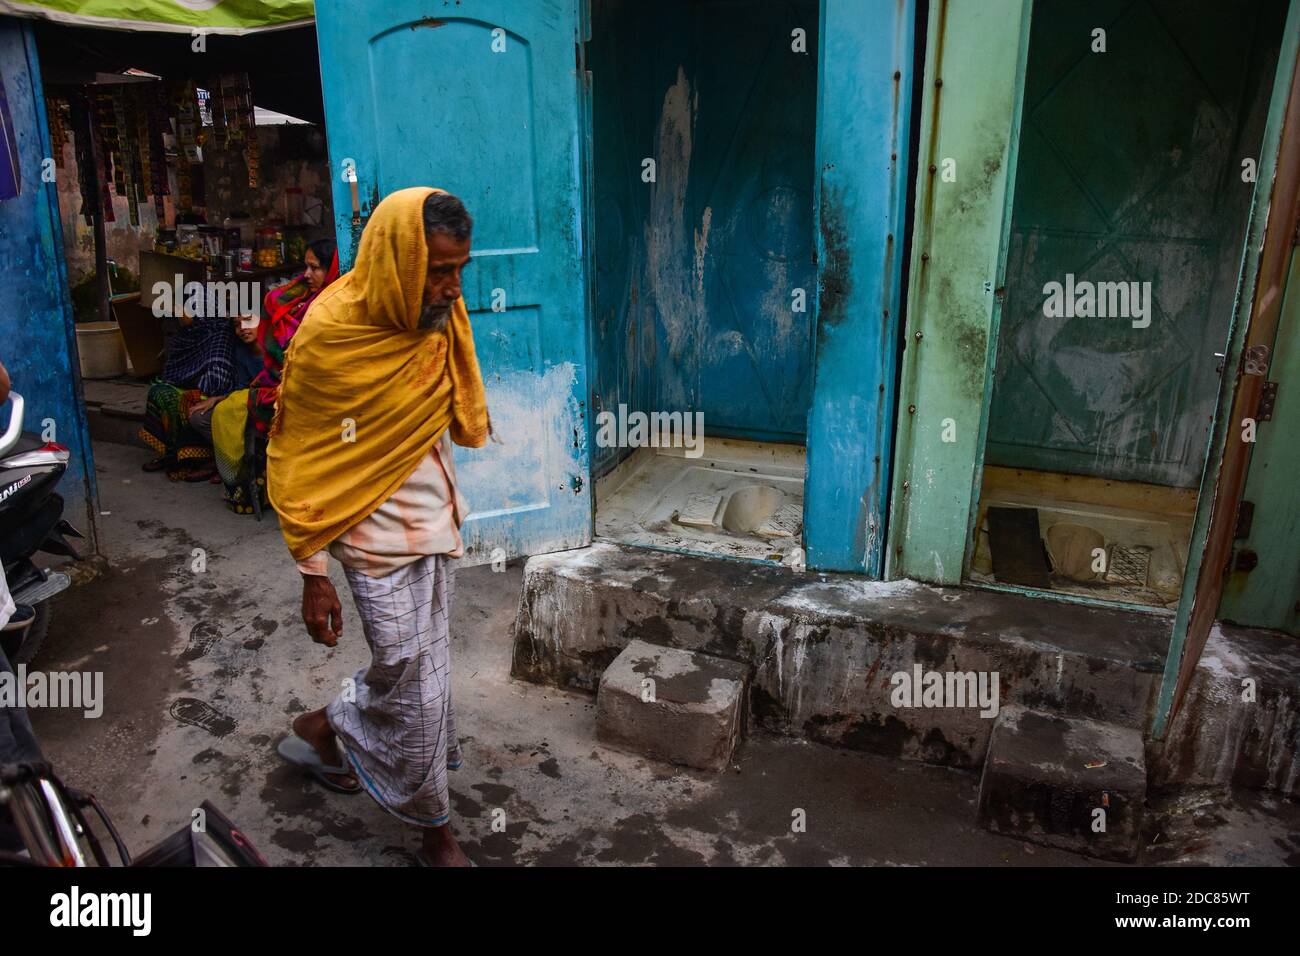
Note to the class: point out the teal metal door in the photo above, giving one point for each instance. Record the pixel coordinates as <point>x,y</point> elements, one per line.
<point>1130,170</point>
<point>482,98</point>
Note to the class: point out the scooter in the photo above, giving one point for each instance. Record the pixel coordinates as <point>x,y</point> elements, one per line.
<point>31,520</point>
<point>43,823</point>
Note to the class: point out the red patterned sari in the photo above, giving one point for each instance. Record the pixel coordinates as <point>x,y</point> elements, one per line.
<point>282,312</point>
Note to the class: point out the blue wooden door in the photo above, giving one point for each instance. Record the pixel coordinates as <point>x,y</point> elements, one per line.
<point>482,98</point>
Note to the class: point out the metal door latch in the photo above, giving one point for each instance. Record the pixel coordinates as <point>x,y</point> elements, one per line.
<point>1256,360</point>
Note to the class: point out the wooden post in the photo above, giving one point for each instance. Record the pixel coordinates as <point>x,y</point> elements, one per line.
<point>90,154</point>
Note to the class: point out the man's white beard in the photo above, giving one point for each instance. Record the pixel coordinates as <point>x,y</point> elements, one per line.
<point>434,317</point>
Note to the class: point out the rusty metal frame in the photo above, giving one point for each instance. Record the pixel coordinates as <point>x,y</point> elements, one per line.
<point>1259,299</point>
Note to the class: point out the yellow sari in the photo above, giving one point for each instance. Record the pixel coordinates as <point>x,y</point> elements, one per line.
<point>229,419</point>
<point>365,393</point>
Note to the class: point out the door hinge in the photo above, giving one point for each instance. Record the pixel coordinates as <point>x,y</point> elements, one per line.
<point>1267,400</point>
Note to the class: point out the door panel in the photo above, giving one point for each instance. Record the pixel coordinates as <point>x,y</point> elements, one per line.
<point>1265,595</point>
<point>864,108</point>
<point>1223,488</point>
<point>1117,187</point>
<point>484,102</point>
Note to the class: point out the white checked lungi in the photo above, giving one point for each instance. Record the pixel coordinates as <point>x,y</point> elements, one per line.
<point>399,733</point>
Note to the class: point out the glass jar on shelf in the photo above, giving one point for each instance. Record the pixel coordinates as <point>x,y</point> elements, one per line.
<point>269,251</point>
<point>188,243</point>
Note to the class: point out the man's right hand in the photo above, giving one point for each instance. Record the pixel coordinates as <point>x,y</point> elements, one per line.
<point>321,611</point>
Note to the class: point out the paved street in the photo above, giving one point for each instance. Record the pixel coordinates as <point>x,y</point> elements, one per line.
<point>204,670</point>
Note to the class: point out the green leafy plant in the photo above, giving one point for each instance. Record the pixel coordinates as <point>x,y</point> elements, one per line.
<point>85,292</point>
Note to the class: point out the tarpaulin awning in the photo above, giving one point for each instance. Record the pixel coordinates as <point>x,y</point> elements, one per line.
<point>231,17</point>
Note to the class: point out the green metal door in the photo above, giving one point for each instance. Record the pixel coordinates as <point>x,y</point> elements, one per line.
<point>1130,171</point>
<point>1263,586</point>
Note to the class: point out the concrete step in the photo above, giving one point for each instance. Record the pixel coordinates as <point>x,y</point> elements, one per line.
<point>1074,784</point>
<point>115,409</point>
<point>672,705</point>
<point>830,651</point>
<point>1239,725</point>
<point>107,424</point>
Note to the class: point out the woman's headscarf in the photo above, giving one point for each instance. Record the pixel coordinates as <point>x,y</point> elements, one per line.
<point>365,393</point>
<point>282,312</point>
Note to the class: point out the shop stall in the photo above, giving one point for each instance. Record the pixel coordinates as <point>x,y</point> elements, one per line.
<point>164,182</point>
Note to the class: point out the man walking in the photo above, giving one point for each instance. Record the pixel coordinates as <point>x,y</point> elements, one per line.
<point>379,380</point>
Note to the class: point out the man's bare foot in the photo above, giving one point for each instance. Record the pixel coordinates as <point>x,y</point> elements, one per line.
<point>441,849</point>
<point>315,728</point>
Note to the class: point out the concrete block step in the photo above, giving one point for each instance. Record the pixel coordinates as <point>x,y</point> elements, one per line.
<point>672,705</point>
<point>830,651</point>
<point>1070,783</point>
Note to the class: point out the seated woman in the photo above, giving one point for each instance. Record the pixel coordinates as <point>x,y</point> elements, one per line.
<point>248,365</point>
<point>204,358</point>
<point>239,423</point>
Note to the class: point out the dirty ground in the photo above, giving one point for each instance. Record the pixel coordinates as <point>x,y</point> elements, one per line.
<point>204,670</point>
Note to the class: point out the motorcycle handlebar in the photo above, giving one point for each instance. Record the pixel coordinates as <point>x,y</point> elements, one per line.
<point>15,429</point>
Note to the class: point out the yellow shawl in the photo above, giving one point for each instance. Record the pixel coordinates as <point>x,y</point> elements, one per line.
<point>364,393</point>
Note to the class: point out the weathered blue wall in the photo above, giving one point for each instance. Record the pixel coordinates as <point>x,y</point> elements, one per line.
<point>37,342</point>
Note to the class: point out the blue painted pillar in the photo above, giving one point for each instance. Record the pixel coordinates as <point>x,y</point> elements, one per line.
<point>37,340</point>
<point>863,118</point>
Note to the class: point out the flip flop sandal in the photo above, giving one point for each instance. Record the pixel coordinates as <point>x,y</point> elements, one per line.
<point>302,754</point>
